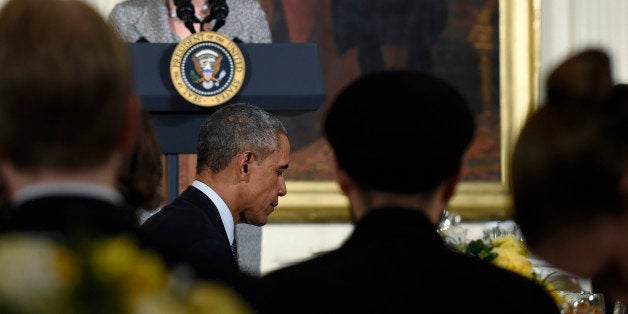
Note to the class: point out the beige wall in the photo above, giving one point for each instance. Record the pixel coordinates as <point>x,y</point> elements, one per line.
<point>570,25</point>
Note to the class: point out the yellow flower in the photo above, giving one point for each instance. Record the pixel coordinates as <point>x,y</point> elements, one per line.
<point>158,303</point>
<point>113,257</point>
<point>108,275</point>
<point>512,255</point>
<point>512,260</point>
<point>505,251</point>
<point>119,262</point>
<point>66,266</point>
<point>209,297</point>
<point>510,242</point>
<point>35,273</point>
<point>149,275</point>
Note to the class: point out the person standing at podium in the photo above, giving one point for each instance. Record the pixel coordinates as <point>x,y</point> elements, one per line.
<point>156,21</point>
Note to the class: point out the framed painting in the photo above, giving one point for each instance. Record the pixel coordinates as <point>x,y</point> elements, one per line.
<point>488,48</point>
<point>503,38</point>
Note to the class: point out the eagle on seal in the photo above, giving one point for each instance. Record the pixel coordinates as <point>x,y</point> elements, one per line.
<point>207,66</point>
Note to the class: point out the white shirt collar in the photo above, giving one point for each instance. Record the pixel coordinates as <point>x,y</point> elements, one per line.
<point>223,210</point>
<point>69,188</point>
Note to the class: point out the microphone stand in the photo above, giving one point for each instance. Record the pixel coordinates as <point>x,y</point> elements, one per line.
<point>218,12</point>
<point>185,12</point>
<point>189,24</point>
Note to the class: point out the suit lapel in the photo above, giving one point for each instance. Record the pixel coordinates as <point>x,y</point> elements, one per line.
<point>202,202</point>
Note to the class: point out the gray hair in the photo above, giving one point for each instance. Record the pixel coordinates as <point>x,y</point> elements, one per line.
<point>232,130</point>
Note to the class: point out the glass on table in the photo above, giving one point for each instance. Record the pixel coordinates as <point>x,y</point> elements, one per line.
<point>583,302</point>
<point>619,308</point>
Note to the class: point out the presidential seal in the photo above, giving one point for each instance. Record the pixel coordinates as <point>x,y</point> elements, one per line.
<point>207,69</point>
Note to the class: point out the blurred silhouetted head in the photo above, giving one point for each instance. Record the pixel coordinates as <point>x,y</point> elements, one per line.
<point>64,85</point>
<point>399,131</point>
<point>572,153</point>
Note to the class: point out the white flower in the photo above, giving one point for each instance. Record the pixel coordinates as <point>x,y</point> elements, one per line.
<point>36,273</point>
<point>107,275</point>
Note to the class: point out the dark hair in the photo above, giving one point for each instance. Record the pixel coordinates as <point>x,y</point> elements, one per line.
<point>399,131</point>
<point>233,129</point>
<point>141,173</point>
<point>64,89</point>
<point>572,152</point>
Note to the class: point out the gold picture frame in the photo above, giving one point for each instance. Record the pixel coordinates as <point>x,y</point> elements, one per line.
<point>519,23</point>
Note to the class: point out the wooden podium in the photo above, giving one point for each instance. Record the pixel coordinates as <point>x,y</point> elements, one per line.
<point>282,78</point>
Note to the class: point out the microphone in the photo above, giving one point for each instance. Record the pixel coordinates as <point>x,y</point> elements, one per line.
<point>185,12</point>
<point>218,12</point>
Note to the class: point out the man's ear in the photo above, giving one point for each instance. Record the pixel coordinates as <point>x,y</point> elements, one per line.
<point>131,125</point>
<point>243,162</point>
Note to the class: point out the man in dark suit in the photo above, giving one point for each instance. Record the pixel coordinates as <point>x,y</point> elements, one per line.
<point>67,118</point>
<point>398,139</point>
<point>241,156</point>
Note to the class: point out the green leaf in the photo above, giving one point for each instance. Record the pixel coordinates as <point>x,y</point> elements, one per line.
<point>194,76</point>
<point>488,256</point>
<point>475,247</point>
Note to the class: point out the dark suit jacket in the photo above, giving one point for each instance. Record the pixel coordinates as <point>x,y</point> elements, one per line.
<point>73,219</point>
<point>189,230</point>
<point>70,218</point>
<point>396,262</point>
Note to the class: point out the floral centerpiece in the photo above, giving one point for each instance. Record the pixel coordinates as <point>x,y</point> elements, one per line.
<point>108,275</point>
<point>504,249</point>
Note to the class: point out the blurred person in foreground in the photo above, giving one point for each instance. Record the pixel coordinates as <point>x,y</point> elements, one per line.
<point>242,153</point>
<point>67,118</point>
<point>398,140</point>
<point>570,174</point>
